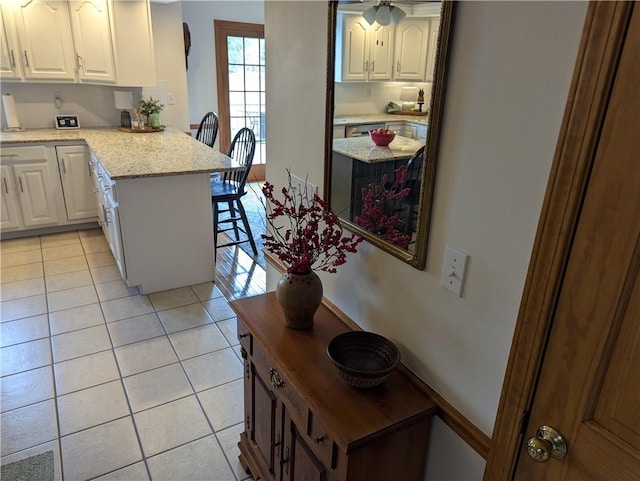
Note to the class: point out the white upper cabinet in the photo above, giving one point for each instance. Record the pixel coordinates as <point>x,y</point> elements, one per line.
<point>134,44</point>
<point>45,39</point>
<point>9,50</point>
<point>411,47</point>
<point>91,27</point>
<point>77,41</point>
<point>364,52</point>
<point>433,43</point>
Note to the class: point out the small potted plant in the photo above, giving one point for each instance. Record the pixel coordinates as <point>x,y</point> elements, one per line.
<point>151,108</point>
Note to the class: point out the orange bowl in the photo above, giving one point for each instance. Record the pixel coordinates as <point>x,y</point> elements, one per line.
<point>381,140</point>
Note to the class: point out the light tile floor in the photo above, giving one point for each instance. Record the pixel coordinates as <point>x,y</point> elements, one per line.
<point>120,386</point>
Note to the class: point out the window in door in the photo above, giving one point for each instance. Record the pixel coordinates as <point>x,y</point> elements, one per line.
<point>241,85</point>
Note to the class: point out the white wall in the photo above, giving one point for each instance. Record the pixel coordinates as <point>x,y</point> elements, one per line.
<point>168,44</point>
<point>510,71</point>
<point>94,104</point>
<point>201,75</point>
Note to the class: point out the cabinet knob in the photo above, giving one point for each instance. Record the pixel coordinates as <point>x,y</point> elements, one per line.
<point>242,336</point>
<point>319,439</point>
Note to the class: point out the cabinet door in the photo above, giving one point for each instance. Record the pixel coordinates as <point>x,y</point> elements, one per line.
<point>264,434</point>
<point>381,52</point>
<point>45,36</point>
<point>298,461</point>
<point>91,30</point>
<point>11,219</point>
<point>77,185</point>
<point>355,48</point>
<point>37,193</point>
<point>9,50</point>
<point>411,46</point>
<point>433,43</point>
<point>134,43</point>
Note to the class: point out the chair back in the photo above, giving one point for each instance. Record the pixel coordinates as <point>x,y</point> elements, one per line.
<point>414,166</point>
<point>208,129</point>
<point>242,149</point>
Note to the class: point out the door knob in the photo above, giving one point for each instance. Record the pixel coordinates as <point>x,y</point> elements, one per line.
<point>548,443</point>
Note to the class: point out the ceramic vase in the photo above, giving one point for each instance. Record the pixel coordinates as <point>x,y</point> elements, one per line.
<point>299,295</point>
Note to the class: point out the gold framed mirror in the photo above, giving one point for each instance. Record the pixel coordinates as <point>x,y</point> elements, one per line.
<point>385,193</point>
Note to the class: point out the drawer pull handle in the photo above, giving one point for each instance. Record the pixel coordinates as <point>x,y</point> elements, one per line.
<point>319,439</point>
<point>276,381</point>
<point>242,336</point>
<point>21,186</point>
<point>6,187</point>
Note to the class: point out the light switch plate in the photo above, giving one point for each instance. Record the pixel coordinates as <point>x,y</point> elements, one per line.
<point>454,270</point>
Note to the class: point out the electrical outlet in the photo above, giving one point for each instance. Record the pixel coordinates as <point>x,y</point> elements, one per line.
<point>454,270</point>
<point>171,98</point>
<point>57,99</point>
<point>302,187</point>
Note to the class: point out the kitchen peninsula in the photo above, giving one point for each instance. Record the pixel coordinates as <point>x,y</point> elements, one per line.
<point>357,162</point>
<point>153,197</point>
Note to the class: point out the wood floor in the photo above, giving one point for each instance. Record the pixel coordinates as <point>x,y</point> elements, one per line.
<point>237,274</point>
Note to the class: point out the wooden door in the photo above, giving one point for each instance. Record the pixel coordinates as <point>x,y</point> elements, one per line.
<point>574,360</point>
<point>588,387</point>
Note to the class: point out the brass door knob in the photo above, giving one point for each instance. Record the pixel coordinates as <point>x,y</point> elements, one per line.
<point>548,443</point>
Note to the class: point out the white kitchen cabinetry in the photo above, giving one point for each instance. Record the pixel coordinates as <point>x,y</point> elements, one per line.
<point>338,132</point>
<point>411,47</point>
<point>91,29</point>
<point>433,44</point>
<point>44,31</point>
<point>411,130</point>
<point>34,182</point>
<point>134,44</point>
<point>155,244</point>
<point>77,186</point>
<point>11,218</point>
<point>9,50</point>
<point>364,52</point>
<point>89,41</point>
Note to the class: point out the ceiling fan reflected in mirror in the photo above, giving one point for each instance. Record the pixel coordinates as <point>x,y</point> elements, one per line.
<point>385,11</point>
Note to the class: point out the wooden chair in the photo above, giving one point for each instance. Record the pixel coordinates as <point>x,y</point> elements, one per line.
<point>208,129</point>
<point>228,192</point>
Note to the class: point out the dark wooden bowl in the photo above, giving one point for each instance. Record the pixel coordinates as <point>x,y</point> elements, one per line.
<point>363,359</point>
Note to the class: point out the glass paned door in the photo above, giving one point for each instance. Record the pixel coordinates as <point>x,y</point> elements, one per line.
<point>246,67</point>
<point>240,66</point>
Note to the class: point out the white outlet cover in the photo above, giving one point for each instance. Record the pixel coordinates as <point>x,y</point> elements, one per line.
<point>454,270</point>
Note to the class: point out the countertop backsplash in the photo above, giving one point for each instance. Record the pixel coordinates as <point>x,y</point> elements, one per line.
<point>35,103</point>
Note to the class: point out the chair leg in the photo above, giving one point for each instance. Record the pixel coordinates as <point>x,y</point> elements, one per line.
<point>215,225</point>
<point>232,214</point>
<point>247,227</point>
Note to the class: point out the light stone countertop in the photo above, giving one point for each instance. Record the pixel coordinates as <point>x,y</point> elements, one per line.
<point>363,149</point>
<point>357,119</point>
<point>133,155</point>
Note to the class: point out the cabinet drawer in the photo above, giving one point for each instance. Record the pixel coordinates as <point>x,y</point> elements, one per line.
<point>17,154</point>
<point>320,441</point>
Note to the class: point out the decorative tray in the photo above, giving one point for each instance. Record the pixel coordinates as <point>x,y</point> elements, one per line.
<point>141,131</point>
<point>408,112</point>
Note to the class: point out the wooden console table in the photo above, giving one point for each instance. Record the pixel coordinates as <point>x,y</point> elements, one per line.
<point>303,422</point>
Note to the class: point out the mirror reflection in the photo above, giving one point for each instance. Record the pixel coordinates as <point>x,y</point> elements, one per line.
<point>388,73</point>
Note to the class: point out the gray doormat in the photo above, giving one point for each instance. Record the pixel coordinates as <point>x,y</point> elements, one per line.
<point>34,468</point>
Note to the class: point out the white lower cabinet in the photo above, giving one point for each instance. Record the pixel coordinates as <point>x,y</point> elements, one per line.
<point>29,176</point>
<point>77,186</point>
<point>11,213</point>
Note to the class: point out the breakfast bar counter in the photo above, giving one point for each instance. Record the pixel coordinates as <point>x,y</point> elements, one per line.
<point>150,193</point>
<point>126,155</point>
